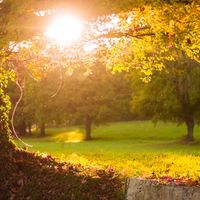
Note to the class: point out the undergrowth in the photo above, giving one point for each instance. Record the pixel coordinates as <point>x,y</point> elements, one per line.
<point>26,175</point>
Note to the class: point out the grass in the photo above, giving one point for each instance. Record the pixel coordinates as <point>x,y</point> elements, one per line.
<point>133,148</point>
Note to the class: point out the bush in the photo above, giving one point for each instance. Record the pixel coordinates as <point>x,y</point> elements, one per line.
<point>26,175</point>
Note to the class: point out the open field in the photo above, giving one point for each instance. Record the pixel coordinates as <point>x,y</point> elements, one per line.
<point>133,148</point>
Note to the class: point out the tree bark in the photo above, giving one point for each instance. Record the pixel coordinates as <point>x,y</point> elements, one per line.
<point>88,127</point>
<point>42,129</point>
<point>182,88</point>
<point>190,129</point>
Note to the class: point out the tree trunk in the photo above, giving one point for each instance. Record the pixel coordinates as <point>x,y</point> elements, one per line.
<point>190,129</point>
<point>42,129</point>
<point>29,129</point>
<point>21,127</point>
<point>6,143</point>
<point>88,127</point>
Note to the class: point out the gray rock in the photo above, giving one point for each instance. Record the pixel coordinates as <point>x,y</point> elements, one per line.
<point>137,189</point>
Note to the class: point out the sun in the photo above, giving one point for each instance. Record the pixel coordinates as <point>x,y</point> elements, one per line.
<point>65,29</point>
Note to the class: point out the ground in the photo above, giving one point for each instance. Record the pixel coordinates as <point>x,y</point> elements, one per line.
<point>132,148</point>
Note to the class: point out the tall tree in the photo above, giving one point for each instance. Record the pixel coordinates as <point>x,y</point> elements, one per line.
<point>95,97</point>
<point>172,94</point>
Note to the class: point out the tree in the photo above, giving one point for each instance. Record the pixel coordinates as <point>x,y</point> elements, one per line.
<point>39,106</point>
<point>27,13</point>
<point>172,94</point>
<point>84,97</point>
<point>95,97</point>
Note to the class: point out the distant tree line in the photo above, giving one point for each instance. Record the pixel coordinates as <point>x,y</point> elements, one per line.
<point>80,98</point>
<point>95,96</point>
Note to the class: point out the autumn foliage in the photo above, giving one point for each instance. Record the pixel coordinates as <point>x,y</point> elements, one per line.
<point>32,176</point>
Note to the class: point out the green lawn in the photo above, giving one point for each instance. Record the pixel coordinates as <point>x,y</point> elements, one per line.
<point>133,148</point>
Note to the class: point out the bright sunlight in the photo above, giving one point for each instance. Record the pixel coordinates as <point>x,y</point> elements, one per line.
<point>65,29</point>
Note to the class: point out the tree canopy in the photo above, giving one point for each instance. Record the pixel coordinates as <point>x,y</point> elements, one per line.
<point>171,95</point>
<point>144,35</point>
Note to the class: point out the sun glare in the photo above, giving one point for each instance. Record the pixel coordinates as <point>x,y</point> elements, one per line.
<point>65,29</point>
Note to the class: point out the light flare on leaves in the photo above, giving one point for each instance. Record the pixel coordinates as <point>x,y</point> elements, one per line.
<point>65,29</point>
